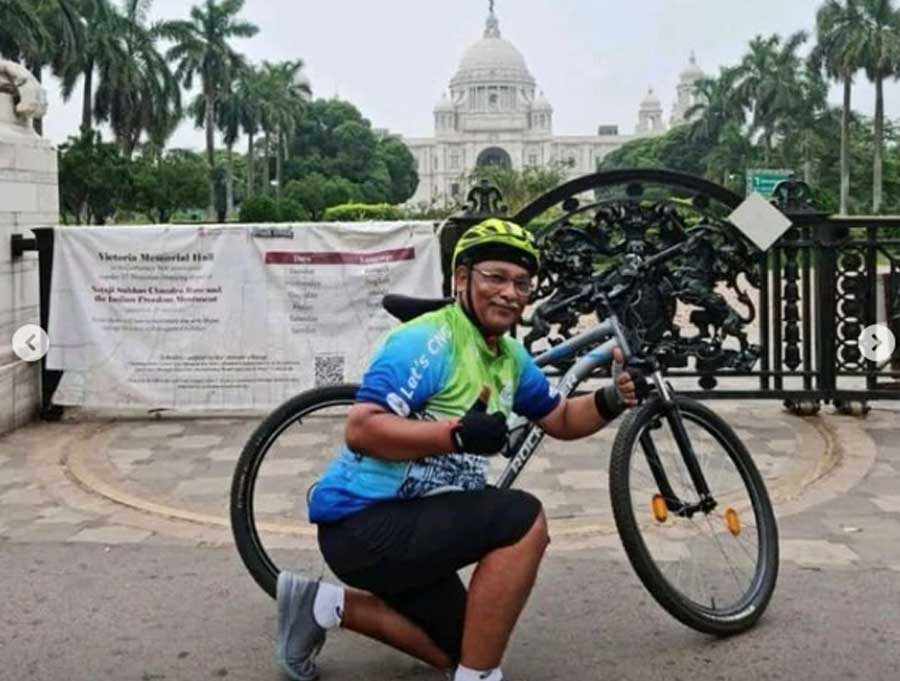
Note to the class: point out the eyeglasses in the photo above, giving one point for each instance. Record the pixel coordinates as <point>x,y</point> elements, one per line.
<point>498,282</point>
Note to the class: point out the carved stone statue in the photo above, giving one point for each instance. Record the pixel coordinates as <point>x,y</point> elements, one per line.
<point>23,90</point>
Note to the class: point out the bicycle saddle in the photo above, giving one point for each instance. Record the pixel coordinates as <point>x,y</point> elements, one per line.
<point>405,308</point>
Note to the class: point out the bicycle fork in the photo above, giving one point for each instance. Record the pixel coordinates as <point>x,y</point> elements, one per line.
<point>673,417</point>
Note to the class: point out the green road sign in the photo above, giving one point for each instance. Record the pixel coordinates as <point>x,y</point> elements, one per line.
<point>764,181</point>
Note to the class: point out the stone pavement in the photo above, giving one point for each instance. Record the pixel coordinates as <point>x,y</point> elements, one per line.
<point>835,481</point>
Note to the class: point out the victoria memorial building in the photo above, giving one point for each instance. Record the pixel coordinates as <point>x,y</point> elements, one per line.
<point>496,115</point>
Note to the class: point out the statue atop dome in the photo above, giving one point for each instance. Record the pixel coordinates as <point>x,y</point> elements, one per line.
<point>492,26</point>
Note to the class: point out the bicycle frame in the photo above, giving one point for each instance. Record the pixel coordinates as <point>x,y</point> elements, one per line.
<point>607,336</point>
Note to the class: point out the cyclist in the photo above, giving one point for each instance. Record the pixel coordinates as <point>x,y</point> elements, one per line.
<point>405,505</point>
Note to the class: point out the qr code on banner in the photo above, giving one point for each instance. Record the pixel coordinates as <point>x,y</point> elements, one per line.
<point>329,369</point>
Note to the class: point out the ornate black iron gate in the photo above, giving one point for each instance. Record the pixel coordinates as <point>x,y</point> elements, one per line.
<point>727,320</point>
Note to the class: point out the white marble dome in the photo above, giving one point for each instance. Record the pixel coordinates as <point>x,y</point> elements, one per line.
<point>651,101</point>
<point>692,71</point>
<point>542,103</point>
<point>444,105</point>
<point>492,59</point>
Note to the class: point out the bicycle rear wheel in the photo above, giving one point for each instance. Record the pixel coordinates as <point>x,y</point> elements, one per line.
<point>714,571</point>
<point>281,460</point>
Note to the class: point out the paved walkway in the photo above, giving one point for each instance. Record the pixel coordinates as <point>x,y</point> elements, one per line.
<point>167,482</point>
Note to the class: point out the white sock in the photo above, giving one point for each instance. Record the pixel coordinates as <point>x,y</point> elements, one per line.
<point>466,674</point>
<point>328,608</point>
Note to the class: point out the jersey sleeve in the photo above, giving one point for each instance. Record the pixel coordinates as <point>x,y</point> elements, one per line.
<point>535,396</point>
<point>408,370</point>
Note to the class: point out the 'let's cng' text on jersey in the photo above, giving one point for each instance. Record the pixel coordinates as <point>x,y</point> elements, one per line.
<point>431,368</point>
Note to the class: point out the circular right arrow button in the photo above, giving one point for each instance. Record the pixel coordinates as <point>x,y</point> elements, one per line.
<point>877,343</point>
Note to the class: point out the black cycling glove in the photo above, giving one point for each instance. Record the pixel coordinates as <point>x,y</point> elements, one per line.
<point>609,401</point>
<point>479,432</point>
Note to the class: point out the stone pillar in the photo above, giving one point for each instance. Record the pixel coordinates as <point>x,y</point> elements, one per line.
<point>29,197</point>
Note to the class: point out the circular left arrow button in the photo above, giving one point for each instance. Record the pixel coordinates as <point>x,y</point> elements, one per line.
<point>30,342</point>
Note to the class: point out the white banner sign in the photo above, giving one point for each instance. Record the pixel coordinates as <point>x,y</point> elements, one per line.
<point>226,317</point>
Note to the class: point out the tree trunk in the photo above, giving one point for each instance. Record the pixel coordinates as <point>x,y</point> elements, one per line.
<point>879,146</point>
<point>229,186</point>
<point>87,101</point>
<point>845,148</point>
<point>279,162</point>
<point>211,155</point>
<point>267,185</point>
<point>251,179</point>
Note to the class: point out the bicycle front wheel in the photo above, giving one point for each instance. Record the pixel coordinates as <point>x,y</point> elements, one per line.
<point>714,570</point>
<point>282,459</point>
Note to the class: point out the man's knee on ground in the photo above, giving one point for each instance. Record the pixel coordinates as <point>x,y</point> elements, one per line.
<point>523,520</point>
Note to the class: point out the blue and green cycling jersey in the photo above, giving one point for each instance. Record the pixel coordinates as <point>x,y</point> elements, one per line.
<point>432,368</point>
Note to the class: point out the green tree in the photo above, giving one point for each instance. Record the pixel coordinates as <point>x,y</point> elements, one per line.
<point>249,92</point>
<point>229,115</point>
<point>801,129</point>
<point>881,60</point>
<point>259,208</point>
<point>102,51</point>
<point>718,105</point>
<point>519,187</point>
<point>334,140</point>
<point>401,166</point>
<point>840,39</point>
<point>40,33</point>
<point>202,50</point>
<point>766,82</point>
<point>678,149</point>
<point>22,32</point>
<point>138,94</point>
<point>316,193</point>
<point>285,95</point>
<point>95,179</point>
<point>166,182</point>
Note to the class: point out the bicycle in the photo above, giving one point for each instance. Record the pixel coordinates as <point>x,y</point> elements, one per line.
<point>672,505</point>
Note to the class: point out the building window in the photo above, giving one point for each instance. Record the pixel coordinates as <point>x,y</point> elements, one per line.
<point>435,163</point>
<point>532,160</point>
<point>454,189</point>
<point>454,162</point>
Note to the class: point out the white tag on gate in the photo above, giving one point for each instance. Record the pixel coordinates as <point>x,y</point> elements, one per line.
<point>760,221</point>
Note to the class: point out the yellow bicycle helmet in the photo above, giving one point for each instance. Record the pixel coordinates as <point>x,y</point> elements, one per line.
<point>496,239</point>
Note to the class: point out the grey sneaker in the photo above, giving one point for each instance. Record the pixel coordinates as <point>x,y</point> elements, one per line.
<point>300,638</point>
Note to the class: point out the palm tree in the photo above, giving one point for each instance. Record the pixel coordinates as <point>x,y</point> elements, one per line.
<point>139,94</point>
<point>250,91</point>
<point>40,33</point>
<point>718,104</point>
<point>202,50</point>
<point>228,116</point>
<point>804,125</point>
<point>766,80</point>
<point>730,156</point>
<point>881,60</point>
<point>286,93</point>
<point>840,38</point>
<point>22,33</point>
<point>102,52</point>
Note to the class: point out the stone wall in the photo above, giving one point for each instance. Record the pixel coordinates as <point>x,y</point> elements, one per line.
<point>29,197</point>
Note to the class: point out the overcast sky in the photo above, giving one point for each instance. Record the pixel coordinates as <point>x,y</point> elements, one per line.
<point>594,59</point>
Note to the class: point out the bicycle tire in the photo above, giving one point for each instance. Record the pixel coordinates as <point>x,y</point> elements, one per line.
<point>243,522</point>
<point>745,612</point>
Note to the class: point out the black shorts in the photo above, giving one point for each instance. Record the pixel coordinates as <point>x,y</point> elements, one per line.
<point>407,552</point>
